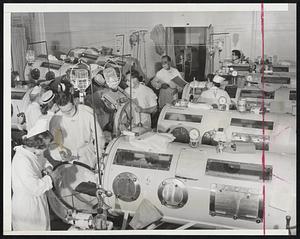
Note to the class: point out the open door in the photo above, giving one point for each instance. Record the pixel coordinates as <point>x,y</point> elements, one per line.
<point>190,51</point>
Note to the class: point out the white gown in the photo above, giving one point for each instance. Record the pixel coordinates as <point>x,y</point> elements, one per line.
<point>30,210</point>
<point>77,134</point>
<point>32,114</point>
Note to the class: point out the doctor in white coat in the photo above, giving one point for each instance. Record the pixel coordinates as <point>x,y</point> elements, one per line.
<point>163,81</point>
<point>30,210</point>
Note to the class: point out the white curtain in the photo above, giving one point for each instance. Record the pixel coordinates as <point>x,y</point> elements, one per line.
<point>18,49</point>
<point>209,65</point>
<point>26,27</point>
<point>37,32</point>
<point>157,35</point>
<point>170,46</point>
<point>138,52</point>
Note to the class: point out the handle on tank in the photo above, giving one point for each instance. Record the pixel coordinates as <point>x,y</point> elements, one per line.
<point>288,227</point>
<point>288,220</point>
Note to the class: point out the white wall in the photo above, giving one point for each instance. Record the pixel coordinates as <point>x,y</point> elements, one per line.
<point>57,29</point>
<point>99,29</point>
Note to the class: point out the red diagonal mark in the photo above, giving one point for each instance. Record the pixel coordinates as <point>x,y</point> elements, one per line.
<point>263,115</point>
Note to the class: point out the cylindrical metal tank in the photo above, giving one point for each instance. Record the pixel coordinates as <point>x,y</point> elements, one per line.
<point>199,185</point>
<point>280,100</point>
<point>280,129</point>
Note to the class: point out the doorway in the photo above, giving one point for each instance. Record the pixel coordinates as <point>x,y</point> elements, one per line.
<point>190,51</point>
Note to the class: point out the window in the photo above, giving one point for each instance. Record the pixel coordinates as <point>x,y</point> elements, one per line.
<point>260,144</point>
<point>196,91</point>
<point>51,65</point>
<point>252,123</point>
<point>245,171</point>
<point>293,95</point>
<point>277,80</point>
<point>280,68</point>
<point>241,67</point>
<point>16,95</point>
<point>141,159</point>
<point>256,94</point>
<point>183,117</point>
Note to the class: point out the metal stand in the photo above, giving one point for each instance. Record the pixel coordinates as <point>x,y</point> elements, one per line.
<point>143,32</point>
<point>101,217</point>
<point>130,96</point>
<point>100,173</point>
<point>288,227</point>
<point>186,226</point>
<point>138,45</point>
<point>125,219</point>
<point>154,225</point>
<point>123,40</point>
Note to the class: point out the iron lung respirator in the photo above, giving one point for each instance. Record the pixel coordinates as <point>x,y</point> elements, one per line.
<point>200,185</point>
<point>186,184</point>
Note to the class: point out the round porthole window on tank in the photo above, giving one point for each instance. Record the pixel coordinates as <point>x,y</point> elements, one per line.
<point>172,193</point>
<point>126,187</point>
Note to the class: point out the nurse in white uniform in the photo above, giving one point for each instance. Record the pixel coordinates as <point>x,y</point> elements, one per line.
<point>48,105</point>
<point>30,210</point>
<point>33,111</point>
<point>216,95</point>
<point>73,130</point>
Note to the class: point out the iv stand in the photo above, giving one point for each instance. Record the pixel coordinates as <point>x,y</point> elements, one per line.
<point>100,173</point>
<point>130,96</point>
<point>100,221</point>
<point>123,40</point>
<point>81,94</point>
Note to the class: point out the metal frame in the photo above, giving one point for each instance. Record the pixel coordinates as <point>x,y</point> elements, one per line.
<point>130,178</point>
<point>39,42</point>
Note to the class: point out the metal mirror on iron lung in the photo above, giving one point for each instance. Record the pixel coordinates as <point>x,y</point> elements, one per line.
<point>88,188</point>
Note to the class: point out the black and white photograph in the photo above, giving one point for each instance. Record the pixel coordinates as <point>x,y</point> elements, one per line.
<point>147,119</point>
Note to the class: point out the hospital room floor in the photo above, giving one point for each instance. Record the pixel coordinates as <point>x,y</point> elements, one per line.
<point>56,223</point>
